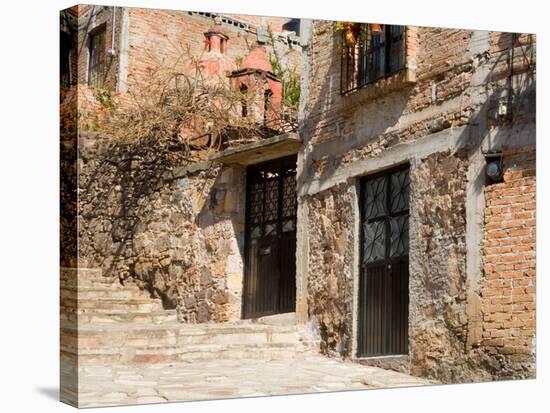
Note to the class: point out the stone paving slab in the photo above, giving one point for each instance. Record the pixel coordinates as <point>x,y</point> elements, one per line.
<point>216,379</point>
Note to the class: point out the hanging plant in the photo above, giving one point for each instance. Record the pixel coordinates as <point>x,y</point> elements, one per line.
<point>376,28</point>
<point>350,31</point>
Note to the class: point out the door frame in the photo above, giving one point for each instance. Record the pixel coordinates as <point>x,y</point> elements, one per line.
<point>358,187</point>
<point>246,255</point>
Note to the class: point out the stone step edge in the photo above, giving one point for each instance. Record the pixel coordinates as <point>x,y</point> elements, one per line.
<point>186,348</point>
<point>141,300</point>
<point>197,329</point>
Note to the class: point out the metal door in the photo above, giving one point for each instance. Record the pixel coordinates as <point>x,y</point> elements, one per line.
<point>270,273</point>
<point>384,275</point>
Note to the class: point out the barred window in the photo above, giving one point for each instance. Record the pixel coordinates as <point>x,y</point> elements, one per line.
<point>65,59</point>
<point>97,65</point>
<point>244,100</point>
<point>379,51</point>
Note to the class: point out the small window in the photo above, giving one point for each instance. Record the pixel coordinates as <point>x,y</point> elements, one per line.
<point>244,101</point>
<point>268,96</point>
<point>97,65</point>
<point>65,59</point>
<point>379,51</point>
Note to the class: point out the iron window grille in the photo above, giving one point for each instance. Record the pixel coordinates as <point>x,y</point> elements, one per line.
<point>97,64</point>
<point>65,60</point>
<point>372,57</point>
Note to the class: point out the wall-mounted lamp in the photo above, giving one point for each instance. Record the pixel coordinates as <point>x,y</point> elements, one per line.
<point>493,168</point>
<point>502,108</point>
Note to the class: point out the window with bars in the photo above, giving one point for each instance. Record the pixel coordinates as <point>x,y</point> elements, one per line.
<point>65,59</point>
<point>378,52</point>
<point>268,97</point>
<point>97,64</point>
<point>244,100</point>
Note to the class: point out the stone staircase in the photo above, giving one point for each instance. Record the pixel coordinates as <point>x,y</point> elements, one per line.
<point>88,297</point>
<point>105,322</point>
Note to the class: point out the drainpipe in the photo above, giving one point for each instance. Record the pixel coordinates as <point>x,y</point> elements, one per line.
<point>112,51</point>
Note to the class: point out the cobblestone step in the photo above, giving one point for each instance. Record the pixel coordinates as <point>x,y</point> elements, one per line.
<point>129,291</point>
<point>104,322</point>
<point>86,277</point>
<point>106,304</point>
<point>118,316</point>
<point>147,342</point>
<point>131,355</point>
<point>92,282</point>
<point>158,336</point>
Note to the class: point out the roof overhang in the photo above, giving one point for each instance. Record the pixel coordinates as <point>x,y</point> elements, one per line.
<point>263,150</point>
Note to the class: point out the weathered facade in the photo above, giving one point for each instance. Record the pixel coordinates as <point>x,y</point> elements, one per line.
<point>460,100</point>
<point>397,221</point>
<point>178,232</point>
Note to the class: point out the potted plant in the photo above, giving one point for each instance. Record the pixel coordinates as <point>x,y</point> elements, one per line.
<point>350,31</point>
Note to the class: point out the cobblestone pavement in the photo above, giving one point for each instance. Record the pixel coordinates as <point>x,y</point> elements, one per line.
<point>217,379</point>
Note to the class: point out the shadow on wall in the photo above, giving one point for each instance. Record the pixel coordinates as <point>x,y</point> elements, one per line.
<point>123,193</point>
<point>176,230</point>
<point>501,77</point>
<point>352,127</point>
<point>509,83</point>
<point>222,216</point>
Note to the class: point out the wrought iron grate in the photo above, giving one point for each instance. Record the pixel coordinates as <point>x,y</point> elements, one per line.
<point>372,57</point>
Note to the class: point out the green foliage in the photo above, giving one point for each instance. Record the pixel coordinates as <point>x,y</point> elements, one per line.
<point>291,87</point>
<point>105,98</point>
<point>288,76</point>
<point>340,26</point>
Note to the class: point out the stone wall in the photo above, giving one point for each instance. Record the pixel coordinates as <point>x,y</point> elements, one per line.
<point>330,267</point>
<point>178,231</point>
<point>441,115</point>
<point>509,242</point>
<point>437,279</point>
<point>459,76</point>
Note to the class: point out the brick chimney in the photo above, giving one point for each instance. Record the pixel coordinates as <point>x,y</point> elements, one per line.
<point>216,41</point>
<point>214,62</point>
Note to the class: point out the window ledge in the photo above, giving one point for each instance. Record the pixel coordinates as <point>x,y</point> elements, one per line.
<point>399,80</point>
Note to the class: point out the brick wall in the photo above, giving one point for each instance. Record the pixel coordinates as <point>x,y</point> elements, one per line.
<point>155,36</point>
<point>91,18</point>
<point>163,34</point>
<point>460,79</point>
<point>383,114</point>
<point>438,61</point>
<point>508,290</point>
